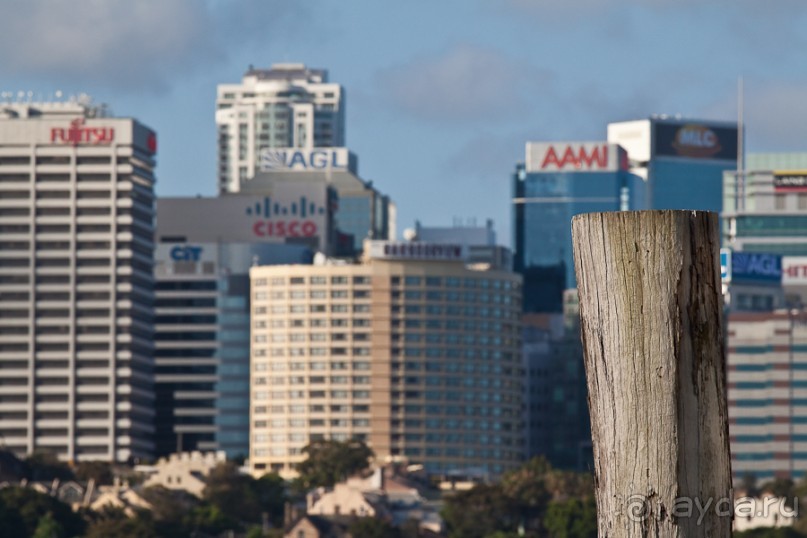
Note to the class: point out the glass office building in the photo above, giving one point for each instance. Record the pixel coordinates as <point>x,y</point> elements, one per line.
<point>557,182</point>
<point>681,160</point>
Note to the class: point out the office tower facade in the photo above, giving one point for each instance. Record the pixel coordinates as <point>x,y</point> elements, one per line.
<point>556,397</point>
<point>479,241</point>
<point>557,181</point>
<point>765,208</point>
<point>682,161</point>
<point>206,247</point>
<point>767,393</point>
<point>286,106</point>
<point>360,211</point>
<point>287,123</point>
<point>410,351</point>
<point>76,286</point>
<point>201,354</point>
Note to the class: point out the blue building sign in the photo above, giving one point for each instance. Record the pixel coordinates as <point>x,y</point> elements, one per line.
<point>755,268</point>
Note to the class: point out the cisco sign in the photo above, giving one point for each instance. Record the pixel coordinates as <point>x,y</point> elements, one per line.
<point>756,268</point>
<point>285,159</point>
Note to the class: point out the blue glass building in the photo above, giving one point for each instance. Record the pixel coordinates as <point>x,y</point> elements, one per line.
<point>682,160</point>
<point>557,182</point>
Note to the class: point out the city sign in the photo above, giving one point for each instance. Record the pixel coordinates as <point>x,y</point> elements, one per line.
<point>574,157</point>
<point>695,141</point>
<point>185,253</point>
<point>794,270</point>
<point>285,159</point>
<point>415,251</point>
<point>78,133</point>
<point>756,268</point>
<point>790,180</point>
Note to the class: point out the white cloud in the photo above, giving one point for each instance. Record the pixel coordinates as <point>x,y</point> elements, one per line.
<point>125,44</point>
<point>464,83</point>
<point>775,114</point>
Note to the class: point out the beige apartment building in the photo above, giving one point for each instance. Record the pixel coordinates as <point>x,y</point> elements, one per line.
<point>412,350</point>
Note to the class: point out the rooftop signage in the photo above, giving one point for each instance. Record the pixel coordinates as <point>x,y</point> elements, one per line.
<point>406,250</point>
<point>790,180</point>
<point>695,141</point>
<point>303,160</point>
<point>750,267</point>
<point>574,157</point>
<point>79,133</point>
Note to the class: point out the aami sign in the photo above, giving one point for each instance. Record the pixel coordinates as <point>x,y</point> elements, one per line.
<point>572,157</point>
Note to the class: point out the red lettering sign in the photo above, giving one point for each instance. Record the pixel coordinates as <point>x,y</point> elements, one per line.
<point>77,134</point>
<point>576,157</point>
<point>284,228</point>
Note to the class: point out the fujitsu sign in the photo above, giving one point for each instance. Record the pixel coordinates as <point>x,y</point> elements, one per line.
<point>78,133</point>
<point>572,157</point>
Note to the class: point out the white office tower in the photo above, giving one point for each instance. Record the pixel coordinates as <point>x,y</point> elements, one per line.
<point>286,106</point>
<point>76,256</point>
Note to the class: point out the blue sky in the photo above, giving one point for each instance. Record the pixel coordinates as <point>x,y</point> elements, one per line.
<point>441,94</point>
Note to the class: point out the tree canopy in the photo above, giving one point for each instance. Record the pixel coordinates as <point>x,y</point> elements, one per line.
<point>329,462</point>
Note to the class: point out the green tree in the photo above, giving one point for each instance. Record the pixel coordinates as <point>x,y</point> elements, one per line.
<point>45,466</point>
<point>479,512</point>
<point>115,522</point>
<point>233,493</point>
<point>370,527</point>
<point>170,510</point>
<point>329,462</point>
<point>48,528</point>
<point>572,518</point>
<point>270,492</point>
<point>100,471</point>
<point>11,522</point>
<point>33,506</point>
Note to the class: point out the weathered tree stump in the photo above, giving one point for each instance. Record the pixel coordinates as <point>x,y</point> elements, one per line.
<point>650,311</point>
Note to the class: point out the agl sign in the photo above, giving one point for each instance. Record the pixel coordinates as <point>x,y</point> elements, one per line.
<point>297,159</point>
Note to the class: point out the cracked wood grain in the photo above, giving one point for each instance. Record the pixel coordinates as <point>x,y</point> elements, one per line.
<point>650,312</point>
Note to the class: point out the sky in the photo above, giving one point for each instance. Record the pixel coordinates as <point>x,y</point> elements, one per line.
<point>441,94</point>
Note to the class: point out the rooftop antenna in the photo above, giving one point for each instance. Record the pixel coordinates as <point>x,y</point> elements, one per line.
<point>740,146</point>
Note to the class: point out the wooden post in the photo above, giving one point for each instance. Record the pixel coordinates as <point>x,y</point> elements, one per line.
<point>650,312</point>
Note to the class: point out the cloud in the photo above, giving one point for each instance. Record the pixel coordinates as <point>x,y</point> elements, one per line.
<point>464,83</point>
<point>125,44</point>
<point>775,114</point>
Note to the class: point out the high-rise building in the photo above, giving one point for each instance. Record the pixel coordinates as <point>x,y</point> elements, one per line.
<point>206,247</point>
<point>479,242</point>
<point>361,211</point>
<point>681,160</point>
<point>287,123</point>
<point>765,207</point>
<point>767,392</point>
<point>556,397</point>
<point>410,351</point>
<point>202,345</point>
<point>76,228</point>
<point>286,106</point>
<point>558,181</point>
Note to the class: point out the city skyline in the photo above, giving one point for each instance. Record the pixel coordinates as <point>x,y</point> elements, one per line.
<point>430,105</point>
